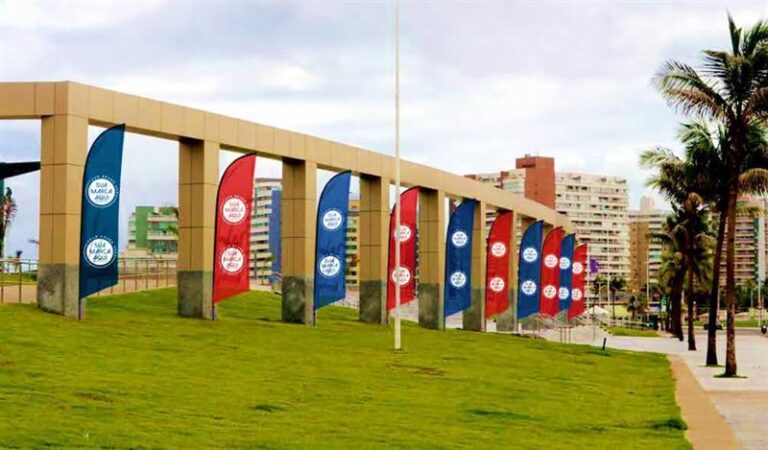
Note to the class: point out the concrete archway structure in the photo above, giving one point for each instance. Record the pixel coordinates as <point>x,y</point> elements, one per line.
<point>65,110</point>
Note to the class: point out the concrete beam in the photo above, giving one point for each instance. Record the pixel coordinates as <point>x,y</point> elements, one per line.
<point>104,107</point>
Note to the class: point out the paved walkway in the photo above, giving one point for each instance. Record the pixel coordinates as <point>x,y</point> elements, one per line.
<point>742,402</point>
<point>707,429</point>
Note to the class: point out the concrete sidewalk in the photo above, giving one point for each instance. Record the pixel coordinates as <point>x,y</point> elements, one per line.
<point>707,429</point>
<point>742,402</point>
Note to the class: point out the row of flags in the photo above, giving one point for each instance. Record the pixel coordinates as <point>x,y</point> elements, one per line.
<point>552,273</point>
<point>551,269</point>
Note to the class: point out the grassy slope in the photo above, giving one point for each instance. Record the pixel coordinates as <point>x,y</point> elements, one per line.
<point>621,331</point>
<point>136,375</point>
<point>748,323</point>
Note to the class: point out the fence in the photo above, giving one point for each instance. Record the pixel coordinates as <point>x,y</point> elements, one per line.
<point>18,279</point>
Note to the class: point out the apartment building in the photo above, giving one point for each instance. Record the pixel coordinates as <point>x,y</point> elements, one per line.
<point>261,261</point>
<point>645,252</point>
<point>596,205</point>
<point>153,231</point>
<point>261,257</point>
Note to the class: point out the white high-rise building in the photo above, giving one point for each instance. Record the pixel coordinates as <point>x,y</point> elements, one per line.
<point>261,260</point>
<point>596,206</point>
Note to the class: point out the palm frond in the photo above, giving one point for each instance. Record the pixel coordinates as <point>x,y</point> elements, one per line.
<point>735,34</point>
<point>687,92</point>
<point>754,181</point>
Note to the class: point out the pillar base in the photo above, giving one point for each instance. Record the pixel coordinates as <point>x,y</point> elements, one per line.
<point>430,310</point>
<point>373,302</point>
<point>505,320</point>
<point>195,294</point>
<point>298,300</point>
<point>473,317</point>
<point>58,286</point>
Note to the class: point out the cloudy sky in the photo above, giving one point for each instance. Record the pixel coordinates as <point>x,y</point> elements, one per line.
<point>483,83</point>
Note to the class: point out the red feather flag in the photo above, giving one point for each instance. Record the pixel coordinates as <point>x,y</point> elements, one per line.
<point>578,292</point>
<point>497,260</point>
<point>549,301</point>
<point>232,256</point>
<point>409,201</point>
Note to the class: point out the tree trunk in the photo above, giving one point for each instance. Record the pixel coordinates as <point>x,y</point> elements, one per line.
<point>691,337</point>
<point>713,303</point>
<point>676,301</point>
<point>2,235</point>
<point>730,281</point>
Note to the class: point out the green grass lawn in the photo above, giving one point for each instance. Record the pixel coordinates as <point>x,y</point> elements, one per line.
<point>621,331</point>
<point>135,375</point>
<point>748,323</point>
<point>10,279</point>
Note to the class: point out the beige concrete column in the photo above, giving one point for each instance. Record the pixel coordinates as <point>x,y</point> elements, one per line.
<point>374,247</point>
<point>431,258</point>
<point>64,144</point>
<point>299,211</point>
<point>474,317</point>
<point>547,228</point>
<point>505,320</point>
<point>198,183</point>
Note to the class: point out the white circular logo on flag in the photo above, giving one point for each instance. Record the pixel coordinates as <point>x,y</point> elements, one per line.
<point>401,277</point>
<point>232,260</point>
<point>459,238</point>
<point>549,291</point>
<point>550,261</point>
<point>99,252</point>
<point>101,192</point>
<point>233,210</point>
<point>576,294</point>
<point>564,263</point>
<point>498,249</point>
<point>577,268</point>
<point>529,287</point>
<point>332,219</point>
<point>330,266</point>
<point>496,284</point>
<point>405,233</point>
<point>458,279</point>
<point>563,293</point>
<point>530,254</point>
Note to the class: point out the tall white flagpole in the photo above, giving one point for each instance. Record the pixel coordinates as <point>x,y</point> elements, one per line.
<point>398,344</point>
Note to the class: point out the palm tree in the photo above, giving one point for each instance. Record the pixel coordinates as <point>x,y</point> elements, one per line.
<point>706,146</point>
<point>731,88</point>
<point>687,254</point>
<point>9,213</point>
<point>687,229</point>
<point>672,275</point>
<point>637,306</point>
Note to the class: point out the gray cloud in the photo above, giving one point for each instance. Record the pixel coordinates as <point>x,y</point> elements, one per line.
<point>483,83</point>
